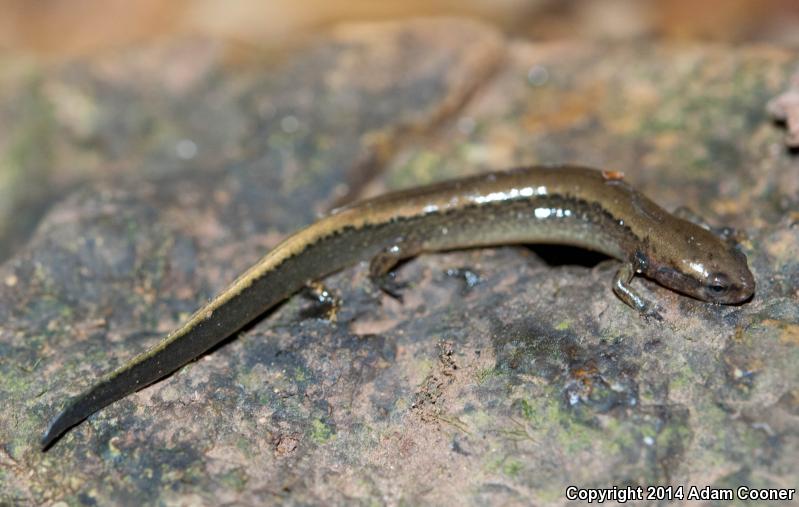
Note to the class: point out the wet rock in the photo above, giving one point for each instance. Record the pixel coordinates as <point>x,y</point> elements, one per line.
<point>535,378</point>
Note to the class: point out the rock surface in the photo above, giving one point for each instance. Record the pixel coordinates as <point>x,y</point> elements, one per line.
<point>504,376</point>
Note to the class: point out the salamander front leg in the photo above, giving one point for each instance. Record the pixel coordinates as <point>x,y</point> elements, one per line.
<point>381,265</point>
<point>623,288</point>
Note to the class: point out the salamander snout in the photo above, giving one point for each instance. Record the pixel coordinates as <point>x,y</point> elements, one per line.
<point>722,277</point>
<point>722,288</point>
<point>707,268</point>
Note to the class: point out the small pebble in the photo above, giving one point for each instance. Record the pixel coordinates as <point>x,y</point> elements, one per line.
<point>186,149</point>
<point>538,75</point>
<point>289,124</point>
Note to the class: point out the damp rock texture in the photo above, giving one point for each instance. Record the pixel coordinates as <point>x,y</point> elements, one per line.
<point>505,374</point>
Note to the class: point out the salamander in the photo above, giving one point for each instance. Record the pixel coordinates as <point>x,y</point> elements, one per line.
<point>579,206</point>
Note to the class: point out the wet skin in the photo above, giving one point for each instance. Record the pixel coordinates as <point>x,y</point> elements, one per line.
<point>576,206</point>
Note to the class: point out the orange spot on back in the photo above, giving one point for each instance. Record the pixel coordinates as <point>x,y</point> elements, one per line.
<point>613,175</point>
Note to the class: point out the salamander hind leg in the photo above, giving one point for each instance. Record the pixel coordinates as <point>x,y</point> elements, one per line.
<point>327,303</point>
<point>622,286</point>
<point>382,264</point>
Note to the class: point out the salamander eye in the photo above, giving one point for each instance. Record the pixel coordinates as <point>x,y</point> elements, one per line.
<point>718,284</point>
<point>717,288</point>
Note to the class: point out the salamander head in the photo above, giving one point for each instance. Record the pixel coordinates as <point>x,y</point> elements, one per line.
<point>696,262</point>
